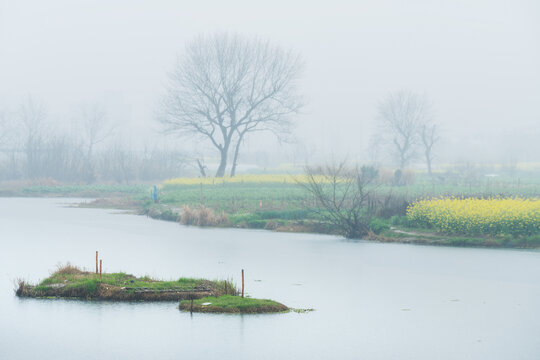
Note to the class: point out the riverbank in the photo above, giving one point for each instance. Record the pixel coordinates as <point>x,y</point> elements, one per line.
<point>276,207</point>
<point>426,237</point>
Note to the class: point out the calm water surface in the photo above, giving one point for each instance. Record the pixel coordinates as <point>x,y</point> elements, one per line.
<point>372,301</point>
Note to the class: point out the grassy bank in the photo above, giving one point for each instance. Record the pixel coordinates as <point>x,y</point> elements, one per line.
<point>71,282</point>
<point>279,204</point>
<point>423,236</point>
<point>232,304</point>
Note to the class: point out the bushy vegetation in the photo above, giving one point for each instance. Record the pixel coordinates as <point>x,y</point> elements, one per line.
<point>378,226</point>
<point>478,216</point>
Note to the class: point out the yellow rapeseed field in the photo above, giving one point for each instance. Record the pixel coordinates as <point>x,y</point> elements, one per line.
<point>270,178</point>
<point>492,216</point>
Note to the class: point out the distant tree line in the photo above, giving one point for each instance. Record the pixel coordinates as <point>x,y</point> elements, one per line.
<point>31,149</point>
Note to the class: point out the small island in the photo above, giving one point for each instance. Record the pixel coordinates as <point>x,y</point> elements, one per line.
<point>232,304</point>
<point>198,295</point>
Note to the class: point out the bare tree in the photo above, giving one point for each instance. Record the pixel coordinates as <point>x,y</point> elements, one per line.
<point>429,134</point>
<point>95,129</point>
<point>4,128</point>
<point>343,196</point>
<point>226,86</point>
<point>202,167</point>
<point>401,115</point>
<point>32,117</point>
<point>95,126</point>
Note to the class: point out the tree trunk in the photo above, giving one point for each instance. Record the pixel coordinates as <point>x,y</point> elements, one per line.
<point>402,162</point>
<point>235,158</point>
<point>201,168</point>
<point>223,162</point>
<point>428,162</point>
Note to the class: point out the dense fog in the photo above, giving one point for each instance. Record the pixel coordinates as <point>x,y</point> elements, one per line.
<point>476,63</point>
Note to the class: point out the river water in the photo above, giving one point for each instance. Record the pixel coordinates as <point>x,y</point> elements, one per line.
<point>371,301</point>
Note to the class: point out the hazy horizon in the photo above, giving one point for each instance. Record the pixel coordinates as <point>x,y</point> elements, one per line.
<point>477,63</point>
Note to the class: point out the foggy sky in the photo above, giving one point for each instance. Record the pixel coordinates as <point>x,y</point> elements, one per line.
<point>477,61</point>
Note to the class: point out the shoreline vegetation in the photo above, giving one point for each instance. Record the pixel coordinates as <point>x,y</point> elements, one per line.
<point>195,295</point>
<point>71,282</point>
<point>277,203</point>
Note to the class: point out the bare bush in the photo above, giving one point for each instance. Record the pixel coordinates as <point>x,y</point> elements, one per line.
<point>343,196</point>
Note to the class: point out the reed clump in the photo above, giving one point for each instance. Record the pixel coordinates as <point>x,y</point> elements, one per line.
<point>202,216</point>
<point>67,269</point>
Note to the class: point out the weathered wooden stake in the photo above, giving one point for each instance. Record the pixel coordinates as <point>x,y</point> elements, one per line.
<point>100,266</point>
<point>191,306</point>
<point>96,262</point>
<point>242,282</point>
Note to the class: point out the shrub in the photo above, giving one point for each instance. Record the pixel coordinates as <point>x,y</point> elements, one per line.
<point>168,215</point>
<point>284,214</point>
<point>391,204</point>
<point>378,226</point>
<point>256,224</point>
<point>397,220</point>
<point>273,225</point>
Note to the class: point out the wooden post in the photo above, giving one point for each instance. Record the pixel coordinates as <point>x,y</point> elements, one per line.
<point>191,306</point>
<point>242,282</point>
<point>100,266</point>
<point>96,262</point>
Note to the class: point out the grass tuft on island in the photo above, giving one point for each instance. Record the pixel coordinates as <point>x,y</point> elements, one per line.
<point>233,304</point>
<point>69,281</point>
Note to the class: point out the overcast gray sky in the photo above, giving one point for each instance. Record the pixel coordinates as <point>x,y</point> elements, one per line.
<point>477,61</point>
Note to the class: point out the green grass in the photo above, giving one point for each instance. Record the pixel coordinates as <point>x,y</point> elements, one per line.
<point>432,237</point>
<point>229,303</point>
<point>70,282</point>
<point>237,197</point>
<point>89,281</point>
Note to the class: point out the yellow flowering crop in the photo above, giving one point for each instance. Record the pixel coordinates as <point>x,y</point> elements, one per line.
<point>492,216</point>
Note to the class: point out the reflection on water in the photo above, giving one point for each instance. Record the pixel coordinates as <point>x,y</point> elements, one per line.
<point>372,301</point>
